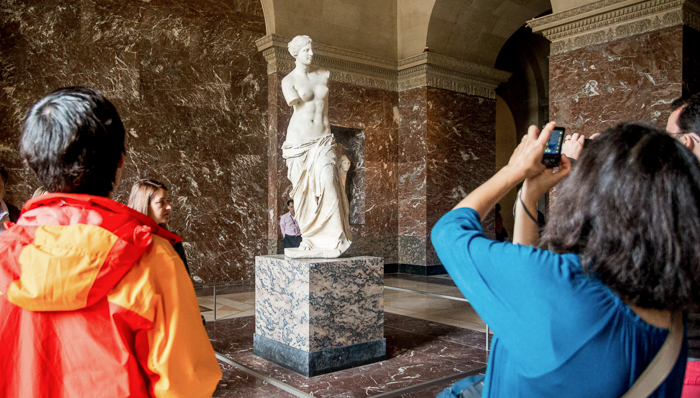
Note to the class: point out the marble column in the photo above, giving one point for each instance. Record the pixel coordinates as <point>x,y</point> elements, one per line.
<point>621,61</point>
<point>447,147</point>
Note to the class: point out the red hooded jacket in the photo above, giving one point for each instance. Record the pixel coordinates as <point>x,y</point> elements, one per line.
<point>95,302</point>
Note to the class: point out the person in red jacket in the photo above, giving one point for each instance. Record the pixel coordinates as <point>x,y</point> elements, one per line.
<point>94,300</point>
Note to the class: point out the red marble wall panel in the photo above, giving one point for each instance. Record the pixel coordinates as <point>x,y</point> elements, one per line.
<point>413,130</point>
<point>191,88</point>
<point>461,153</point>
<point>600,86</point>
<point>447,149</point>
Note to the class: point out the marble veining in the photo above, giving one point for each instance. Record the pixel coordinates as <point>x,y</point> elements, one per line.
<point>313,305</point>
<point>598,87</point>
<point>191,89</point>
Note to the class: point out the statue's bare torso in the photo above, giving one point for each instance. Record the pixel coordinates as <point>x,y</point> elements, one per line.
<point>307,92</point>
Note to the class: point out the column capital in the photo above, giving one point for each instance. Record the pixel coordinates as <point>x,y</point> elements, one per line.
<point>609,20</point>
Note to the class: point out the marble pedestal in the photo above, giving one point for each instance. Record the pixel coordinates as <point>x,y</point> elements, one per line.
<point>316,316</point>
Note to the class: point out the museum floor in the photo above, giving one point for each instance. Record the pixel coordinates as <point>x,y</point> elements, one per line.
<point>433,338</point>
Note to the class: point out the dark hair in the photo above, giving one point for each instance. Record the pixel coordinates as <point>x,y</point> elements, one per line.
<point>290,201</point>
<point>630,209</point>
<point>3,174</point>
<point>689,118</point>
<point>73,139</point>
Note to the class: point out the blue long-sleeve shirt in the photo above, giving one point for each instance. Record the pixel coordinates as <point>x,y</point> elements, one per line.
<point>557,332</point>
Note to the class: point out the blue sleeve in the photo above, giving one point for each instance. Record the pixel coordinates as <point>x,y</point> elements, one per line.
<point>515,289</point>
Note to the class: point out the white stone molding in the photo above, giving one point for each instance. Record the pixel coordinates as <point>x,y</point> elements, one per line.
<point>439,71</point>
<point>609,20</point>
<point>427,69</point>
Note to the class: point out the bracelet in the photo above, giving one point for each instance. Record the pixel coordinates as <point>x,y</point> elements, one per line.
<point>526,210</point>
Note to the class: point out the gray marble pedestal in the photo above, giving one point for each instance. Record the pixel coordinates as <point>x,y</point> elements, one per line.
<point>316,316</point>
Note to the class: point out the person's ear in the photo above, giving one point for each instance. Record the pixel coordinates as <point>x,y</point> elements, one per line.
<point>687,141</point>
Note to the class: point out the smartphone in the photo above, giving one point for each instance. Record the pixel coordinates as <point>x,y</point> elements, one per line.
<point>552,153</point>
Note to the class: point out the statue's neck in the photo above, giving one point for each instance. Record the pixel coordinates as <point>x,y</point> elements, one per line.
<point>301,67</point>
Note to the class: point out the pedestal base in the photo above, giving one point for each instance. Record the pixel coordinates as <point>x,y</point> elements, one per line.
<point>316,316</point>
<point>312,364</point>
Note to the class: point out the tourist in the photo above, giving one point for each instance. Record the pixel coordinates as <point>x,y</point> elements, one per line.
<point>150,197</point>
<point>8,212</point>
<point>585,318</point>
<point>94,301</point>
<point>684,125</point>
<point>290,227</point>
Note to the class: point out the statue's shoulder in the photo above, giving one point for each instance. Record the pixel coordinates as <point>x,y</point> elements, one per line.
<point>324,72</point>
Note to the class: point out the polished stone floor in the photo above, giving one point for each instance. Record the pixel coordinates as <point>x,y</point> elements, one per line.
<point>433,336</point>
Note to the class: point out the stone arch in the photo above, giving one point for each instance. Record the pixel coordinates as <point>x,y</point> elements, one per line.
<point>475,31</point>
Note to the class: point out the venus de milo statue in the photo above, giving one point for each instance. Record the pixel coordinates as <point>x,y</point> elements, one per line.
<point>315,165</point>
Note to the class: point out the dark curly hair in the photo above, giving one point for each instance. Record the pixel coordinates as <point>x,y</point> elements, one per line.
<point>631,210</point>
<point>73,140</point>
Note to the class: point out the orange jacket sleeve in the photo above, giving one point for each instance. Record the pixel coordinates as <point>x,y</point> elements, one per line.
<point>175,349</point>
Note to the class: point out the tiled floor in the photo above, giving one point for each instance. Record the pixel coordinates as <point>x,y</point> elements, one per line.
<point>417,352</point>
<point>432,334</point>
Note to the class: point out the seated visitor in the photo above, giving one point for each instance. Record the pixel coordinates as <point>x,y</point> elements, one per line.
<point>8,212</point>
<point>684,125</point>
<point>150,197</point>
<point>290,227</point>
<point>94,301</point>
<point>585,318</point>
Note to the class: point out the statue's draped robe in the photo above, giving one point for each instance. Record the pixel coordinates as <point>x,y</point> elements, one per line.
<point>318,190</point>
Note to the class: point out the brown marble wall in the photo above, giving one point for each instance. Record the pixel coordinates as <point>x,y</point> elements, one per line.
<point>373,111</point>
<point>191,88</point>
<point>447,149</point>
<point>597,87</point>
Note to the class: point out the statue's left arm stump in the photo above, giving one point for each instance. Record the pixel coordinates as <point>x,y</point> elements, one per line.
<point>316,316</point>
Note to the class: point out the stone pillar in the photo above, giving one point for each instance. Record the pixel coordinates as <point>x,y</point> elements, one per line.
<point>316,316</point>
<point>447,147</point>
<point>616,61</point>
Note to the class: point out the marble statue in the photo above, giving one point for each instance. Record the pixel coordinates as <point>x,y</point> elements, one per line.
<point>316,166</point>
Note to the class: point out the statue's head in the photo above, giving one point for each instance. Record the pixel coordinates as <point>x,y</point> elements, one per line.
<point>301,44</point>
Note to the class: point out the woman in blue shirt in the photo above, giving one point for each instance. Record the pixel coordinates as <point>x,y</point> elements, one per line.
<point>584,318</point>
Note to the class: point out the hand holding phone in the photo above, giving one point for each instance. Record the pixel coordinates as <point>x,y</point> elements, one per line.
<point>552,152</point>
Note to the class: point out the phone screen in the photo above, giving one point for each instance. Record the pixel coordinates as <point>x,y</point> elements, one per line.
<point>555,141</point>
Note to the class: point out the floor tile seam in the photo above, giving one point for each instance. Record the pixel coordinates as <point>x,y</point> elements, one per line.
<point>400,289</point>
<point>260,376</point>
<point>438,337</point>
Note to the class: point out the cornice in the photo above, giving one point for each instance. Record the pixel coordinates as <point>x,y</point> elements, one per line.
<point>427,69</point>
<point>426,75</point>
<point>610,20</point>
